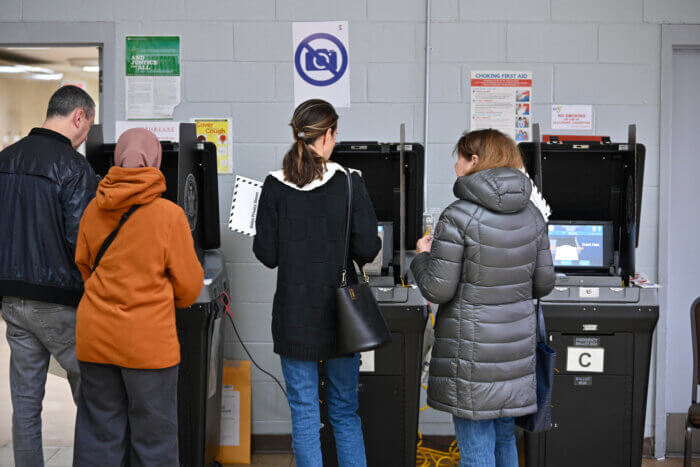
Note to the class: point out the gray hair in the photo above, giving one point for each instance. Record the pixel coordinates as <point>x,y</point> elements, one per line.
<point>67,99</point>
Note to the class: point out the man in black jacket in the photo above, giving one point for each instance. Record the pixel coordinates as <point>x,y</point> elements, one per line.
<point>45,185</point>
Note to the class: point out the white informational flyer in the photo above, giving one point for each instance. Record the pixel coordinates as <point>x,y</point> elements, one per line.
<point>244,205</point>
<point>230,416</point>
<point>149,97</point>
<point>321,62</point>
<point>572,117</point>
<point>153,71</point>
<point>164,130</point>
<point>502,100</point>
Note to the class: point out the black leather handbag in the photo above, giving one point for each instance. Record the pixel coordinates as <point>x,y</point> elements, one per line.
<point>360,325</point>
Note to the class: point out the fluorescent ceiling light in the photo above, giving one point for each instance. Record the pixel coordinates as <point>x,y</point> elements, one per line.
<point>34,69</point>
<point>11,69</point>
<point>48,77</point>
<point>25,69</point>
<point>91,69</point>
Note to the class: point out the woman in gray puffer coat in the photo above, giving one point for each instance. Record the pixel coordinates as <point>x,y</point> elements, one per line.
<point>488,259</point>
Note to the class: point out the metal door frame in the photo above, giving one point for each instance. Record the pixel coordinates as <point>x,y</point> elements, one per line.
<point>673,37</point>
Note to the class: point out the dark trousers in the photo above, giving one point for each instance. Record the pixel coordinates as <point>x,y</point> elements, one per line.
<point>126,417</point>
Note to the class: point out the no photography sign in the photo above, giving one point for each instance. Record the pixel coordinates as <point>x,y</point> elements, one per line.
<point>321,62</point>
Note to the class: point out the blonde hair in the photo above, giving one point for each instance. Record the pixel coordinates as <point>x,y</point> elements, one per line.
<point>493,148</point>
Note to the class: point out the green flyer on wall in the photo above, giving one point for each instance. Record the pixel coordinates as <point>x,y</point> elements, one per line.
<point>153,72</point>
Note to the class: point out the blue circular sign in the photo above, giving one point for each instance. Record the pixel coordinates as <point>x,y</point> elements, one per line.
<point>321,59</point>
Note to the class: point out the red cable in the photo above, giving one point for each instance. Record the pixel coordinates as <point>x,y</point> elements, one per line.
<point>226,303</point>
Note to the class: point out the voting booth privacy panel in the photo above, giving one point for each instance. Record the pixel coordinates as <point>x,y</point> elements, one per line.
<point>190,174</point>
<point>599,325</point>
<point>389,385</point>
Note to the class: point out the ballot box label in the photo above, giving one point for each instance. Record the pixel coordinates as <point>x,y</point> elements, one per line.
<point>587,341</point>
<point>583,381</point>
<point>589,292</point>
<point>585,359</point>
<point>367,361</point>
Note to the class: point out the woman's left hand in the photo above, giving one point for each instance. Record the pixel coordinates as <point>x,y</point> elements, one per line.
<point>424,244</point>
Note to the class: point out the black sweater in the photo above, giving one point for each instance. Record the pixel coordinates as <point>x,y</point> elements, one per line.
<point>302,233</point>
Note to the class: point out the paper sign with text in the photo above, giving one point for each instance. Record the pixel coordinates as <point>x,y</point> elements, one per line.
<point>572,117</point>
<point>502,100</point>
<point>166,130</point>
<point>218,131</point>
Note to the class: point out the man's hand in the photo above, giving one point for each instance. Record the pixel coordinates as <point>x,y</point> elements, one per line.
<point>424,244</point>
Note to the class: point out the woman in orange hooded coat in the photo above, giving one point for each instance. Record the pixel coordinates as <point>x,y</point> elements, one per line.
<point>126,340</point>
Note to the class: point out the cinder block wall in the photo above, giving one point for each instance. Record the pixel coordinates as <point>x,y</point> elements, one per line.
<point>237,62</point>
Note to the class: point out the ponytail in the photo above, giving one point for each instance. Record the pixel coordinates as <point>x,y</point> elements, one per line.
<point>311,120</point>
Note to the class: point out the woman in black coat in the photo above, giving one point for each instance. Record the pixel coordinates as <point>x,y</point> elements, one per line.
<point>301,231</point>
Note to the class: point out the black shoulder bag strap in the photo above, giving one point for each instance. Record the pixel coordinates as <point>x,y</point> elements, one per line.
<point>344,281</point>
<point>110,238</point>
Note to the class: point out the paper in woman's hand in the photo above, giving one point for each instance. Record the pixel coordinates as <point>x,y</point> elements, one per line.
<point>244,206</point>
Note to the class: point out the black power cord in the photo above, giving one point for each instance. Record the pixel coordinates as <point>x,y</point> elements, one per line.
<point>227,311</point>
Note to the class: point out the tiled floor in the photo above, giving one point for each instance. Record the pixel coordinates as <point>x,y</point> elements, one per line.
<point>59,410</point>
<point>61,457</point>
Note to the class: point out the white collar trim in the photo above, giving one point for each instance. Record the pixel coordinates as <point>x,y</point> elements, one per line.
<point>331,169</point>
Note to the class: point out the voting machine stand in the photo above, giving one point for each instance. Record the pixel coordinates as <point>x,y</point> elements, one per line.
<point>600,326</point>
<point>190,170</point>
<point>389,385</point>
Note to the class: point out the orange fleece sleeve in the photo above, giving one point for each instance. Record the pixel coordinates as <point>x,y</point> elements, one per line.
<point>181,263</point>
<point>82,252</point>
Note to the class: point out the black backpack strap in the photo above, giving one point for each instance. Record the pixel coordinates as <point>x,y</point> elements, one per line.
<point>110,238</point>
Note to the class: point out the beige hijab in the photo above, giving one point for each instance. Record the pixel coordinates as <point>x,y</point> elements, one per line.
<point>136,148</point>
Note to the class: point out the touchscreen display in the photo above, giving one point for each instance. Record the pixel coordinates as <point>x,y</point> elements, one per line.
<point>577,245</point>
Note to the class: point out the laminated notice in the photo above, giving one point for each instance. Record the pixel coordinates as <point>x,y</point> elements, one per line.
<point>230,416</point>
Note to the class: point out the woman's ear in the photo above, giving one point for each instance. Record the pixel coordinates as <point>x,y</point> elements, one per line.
<point>475,159</point>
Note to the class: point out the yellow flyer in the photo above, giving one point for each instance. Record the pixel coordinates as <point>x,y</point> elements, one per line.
<point>218,131</point>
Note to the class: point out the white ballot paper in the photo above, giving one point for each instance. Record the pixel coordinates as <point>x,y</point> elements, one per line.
<point>244,206</point>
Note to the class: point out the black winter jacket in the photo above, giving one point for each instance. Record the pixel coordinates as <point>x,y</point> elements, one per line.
<point>45,186</point>
<point>301,231</point>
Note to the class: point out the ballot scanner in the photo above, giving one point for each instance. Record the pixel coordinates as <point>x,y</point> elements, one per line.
<point>599,324</point>
<point>190,170</point>
<point>389,383</point>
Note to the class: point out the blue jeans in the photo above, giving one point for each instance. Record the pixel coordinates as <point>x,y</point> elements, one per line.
<point>35,331</point>
<point>301,378</point>
<point>486,443</point>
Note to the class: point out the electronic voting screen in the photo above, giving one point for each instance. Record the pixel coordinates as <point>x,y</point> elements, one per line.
<point>578,245</point>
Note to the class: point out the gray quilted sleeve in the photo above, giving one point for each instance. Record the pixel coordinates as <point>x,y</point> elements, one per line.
<point>438,272</point>
<point>543,279</point>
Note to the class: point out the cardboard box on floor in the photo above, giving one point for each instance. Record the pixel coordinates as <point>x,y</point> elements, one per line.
<point>235,413</point>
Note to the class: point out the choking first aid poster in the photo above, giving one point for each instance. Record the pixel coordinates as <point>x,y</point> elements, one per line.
<point>502,100</point>
<point>321,62</point>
